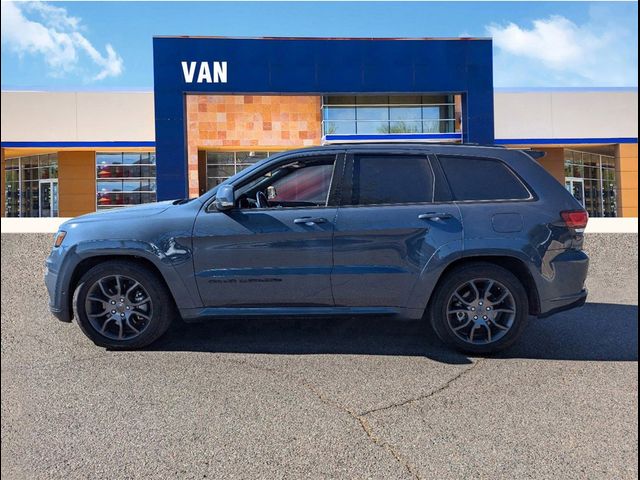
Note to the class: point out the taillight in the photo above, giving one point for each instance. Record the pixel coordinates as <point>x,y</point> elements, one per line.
<point>576,219</point>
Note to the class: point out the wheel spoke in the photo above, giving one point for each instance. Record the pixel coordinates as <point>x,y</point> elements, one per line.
<point>128,321</point>
<point>103,289</point>
<point>475,289</point>
<point>502,298</point>
<point>465,324</point>
<point>96,299</point>
<point>486,325</point>
<point>131,288</point>
<point>501,327</point>
<point>457,295</point>
<point>472,332</point>
<point>487,290</point>
<point>120,329</point>
<point>504,310</point>
<point>104,325</point>
<point>146,317</point>
<point>457,310</point>
<point>118,286</point>
<point>140,303</point>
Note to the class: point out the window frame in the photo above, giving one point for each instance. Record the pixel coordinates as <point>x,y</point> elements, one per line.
<point>335,185</point>
<point>347,191</point>
<point>532,195</point>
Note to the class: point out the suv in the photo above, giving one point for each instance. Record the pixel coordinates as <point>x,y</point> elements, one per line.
<point>475,239</point>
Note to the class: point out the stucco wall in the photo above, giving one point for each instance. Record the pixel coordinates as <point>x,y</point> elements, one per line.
<point>77,116</point>
<point>561,114</point>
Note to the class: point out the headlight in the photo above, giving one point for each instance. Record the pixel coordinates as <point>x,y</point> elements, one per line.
<point>59,238</point>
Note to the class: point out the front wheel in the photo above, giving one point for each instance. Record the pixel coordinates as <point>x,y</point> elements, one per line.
<point>479,308</point>
<point>122,305</point>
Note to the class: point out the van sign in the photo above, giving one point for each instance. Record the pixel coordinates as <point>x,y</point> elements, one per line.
<point>208,72</point>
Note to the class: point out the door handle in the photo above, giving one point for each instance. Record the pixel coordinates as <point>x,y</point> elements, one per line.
<point>435,216</point>
<point>310,220</point>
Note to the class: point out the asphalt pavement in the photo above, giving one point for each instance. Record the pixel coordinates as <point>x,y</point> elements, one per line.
<point>321,398</point>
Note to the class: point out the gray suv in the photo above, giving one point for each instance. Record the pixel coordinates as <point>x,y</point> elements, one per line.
<point>473,239</point>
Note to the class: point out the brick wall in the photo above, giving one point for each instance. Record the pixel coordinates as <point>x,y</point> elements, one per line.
<point>249,122</point>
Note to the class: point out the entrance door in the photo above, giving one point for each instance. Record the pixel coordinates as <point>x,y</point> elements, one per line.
<point>576,187</point>
<point>48,198</point>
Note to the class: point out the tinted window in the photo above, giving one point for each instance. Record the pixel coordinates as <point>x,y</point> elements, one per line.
<point>391,179</point>
<point>482,179</point>
<point>305,185</point>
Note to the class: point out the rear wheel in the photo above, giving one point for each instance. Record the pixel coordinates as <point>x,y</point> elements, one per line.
<point>122,305</point>
<point>479,308</point>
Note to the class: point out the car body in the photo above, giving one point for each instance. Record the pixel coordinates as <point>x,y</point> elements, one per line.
<point>357,229</point>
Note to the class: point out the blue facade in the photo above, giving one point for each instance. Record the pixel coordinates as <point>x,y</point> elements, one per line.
<point>316,67</point>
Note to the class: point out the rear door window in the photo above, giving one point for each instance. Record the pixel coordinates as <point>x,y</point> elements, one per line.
<point>482,179</point>
<point>390,179</point>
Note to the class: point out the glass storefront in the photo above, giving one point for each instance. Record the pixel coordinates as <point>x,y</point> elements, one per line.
<point>388,114</point>
<point>222,165</point>
<point>591,178</point>
<point>31,186</point>
<point>125,179</point>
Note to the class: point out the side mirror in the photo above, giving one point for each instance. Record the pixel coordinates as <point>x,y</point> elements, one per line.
<point>225,197</point>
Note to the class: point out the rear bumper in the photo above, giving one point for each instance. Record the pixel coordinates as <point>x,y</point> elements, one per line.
<point>566,303</point>
<point>564,283</point>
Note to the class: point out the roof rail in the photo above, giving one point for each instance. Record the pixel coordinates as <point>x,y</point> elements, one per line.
<point>410,142</point>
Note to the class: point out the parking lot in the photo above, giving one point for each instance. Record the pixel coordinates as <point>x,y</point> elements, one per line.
<point>323,398</point>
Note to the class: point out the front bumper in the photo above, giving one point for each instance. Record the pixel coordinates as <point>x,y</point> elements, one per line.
<point>58,301</point>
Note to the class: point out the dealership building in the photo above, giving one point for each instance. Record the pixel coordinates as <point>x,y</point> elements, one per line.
<point>220,104</point>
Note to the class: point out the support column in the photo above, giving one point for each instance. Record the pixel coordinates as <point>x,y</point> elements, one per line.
<point>627,176</point>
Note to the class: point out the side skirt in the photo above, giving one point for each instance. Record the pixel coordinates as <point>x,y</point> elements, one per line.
<point>199,314</point>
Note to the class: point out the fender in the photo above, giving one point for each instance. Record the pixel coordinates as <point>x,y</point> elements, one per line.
<point>452,252</point>
<point>172,271</point>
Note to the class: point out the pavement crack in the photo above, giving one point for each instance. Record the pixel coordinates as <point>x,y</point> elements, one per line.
<point>360,419</point>
<point>366,427</point>
<point>432,393</point>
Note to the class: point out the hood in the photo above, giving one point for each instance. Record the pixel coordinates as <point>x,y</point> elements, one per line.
<point>124,213</point>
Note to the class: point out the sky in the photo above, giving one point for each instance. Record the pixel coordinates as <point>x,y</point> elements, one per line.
<point>108,45</point>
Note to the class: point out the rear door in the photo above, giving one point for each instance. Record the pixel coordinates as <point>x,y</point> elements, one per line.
<point>394,222</point>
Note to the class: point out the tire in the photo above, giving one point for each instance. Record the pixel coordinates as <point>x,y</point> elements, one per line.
<point>455,292</point>
<point>99,286</point>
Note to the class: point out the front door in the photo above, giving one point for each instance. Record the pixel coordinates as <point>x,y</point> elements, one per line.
<point>274,249</point>
<point>389,228</point>
<point>48,198</point>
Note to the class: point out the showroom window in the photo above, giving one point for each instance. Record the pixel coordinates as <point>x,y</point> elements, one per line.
<point>591,178</point>
<point>388,114</point>
<point>31,186</point>
<point>222,165</point>
<point>125,179</point>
